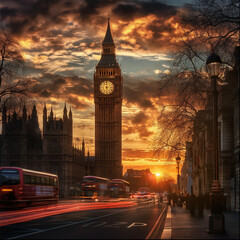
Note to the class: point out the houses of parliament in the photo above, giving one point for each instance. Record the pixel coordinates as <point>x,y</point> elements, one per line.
<point>23,145</point>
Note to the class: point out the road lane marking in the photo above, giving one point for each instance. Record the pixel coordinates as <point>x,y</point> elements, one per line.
<point>33,229</point>
<point>137,224</point>
<point>70,224</point>
<point>116,224</point>
<point>92,224</point>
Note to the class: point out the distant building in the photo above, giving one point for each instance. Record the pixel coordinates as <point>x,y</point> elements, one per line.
<point>24,146</point>
<point>186,171</point>
<point>140,178</point>
<point>202,152</point>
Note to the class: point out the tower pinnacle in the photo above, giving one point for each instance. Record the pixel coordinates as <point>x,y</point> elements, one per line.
<point>108,37</point>
<point>65,112</point>
<point>108,57</point>
<point>70,113</point>
<point>51,113</point>
<point>45,109</point>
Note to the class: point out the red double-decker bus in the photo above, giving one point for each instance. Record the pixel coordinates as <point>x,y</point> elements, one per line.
<point>94,186</point>
<point>119,188</point>
<point>23,187</point>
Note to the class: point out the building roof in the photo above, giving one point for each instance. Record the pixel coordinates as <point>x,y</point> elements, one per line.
<point>108,37</point>
<point>108,61</point>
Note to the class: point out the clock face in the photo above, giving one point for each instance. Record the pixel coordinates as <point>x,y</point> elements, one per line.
<point>106,87</point>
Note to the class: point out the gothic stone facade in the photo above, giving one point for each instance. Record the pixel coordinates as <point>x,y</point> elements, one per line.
<point>202,152</point>
<point>21,143</point>
<point>108,84</point>
<point>24,146</point>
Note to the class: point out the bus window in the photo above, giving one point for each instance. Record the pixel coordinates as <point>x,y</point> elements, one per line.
<point>90,180</point>
<point>38,180</point>
<point>27,179</point>
<point>9,177</point>
<point>33,180</point>
<point>50,181</point>
<point>47,181</point>
<point>43,180</point>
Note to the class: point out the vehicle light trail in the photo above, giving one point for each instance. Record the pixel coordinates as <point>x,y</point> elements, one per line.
<point>27,215</point>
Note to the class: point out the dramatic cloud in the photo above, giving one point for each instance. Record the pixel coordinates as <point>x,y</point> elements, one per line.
<point>138,123</point>
<point>144,25</point>
<point>140,92</point>
<point>129,11</point>
<point>139,118</point>
<point>74,90</point>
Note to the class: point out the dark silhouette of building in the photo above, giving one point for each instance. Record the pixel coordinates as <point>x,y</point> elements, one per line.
<point>236,132</point>
<point>24,146</point>
<point>108,84</point>
<point>140,178</point>
<point>21,140</point>
<point>229,135</point>
<point>59,155</point>
<point>202,152</point>
<point>202,141</point>
<point>186,171</point>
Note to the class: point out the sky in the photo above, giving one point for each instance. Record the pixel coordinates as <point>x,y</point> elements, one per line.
<point>60,41</point>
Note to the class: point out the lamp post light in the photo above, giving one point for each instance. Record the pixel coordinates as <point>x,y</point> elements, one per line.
<point>178,159</point>
<point>216,217</point>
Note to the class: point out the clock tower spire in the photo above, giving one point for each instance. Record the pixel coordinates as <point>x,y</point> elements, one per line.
<point>108,86</point>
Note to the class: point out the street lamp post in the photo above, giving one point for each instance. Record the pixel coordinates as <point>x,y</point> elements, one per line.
<point>178,159</point>
<point>216,217</point>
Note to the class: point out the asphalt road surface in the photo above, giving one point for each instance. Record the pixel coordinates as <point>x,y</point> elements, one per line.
<point>134,222</point>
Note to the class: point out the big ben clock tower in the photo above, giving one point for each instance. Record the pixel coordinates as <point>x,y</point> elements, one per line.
<point>108,84</point>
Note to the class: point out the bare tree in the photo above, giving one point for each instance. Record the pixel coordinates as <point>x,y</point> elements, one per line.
<point>219,20</point>
<point>184,91</point>
<point>13,89</point>
<point>11,57</point>
<point>165,183</point>
<point>182,94</point>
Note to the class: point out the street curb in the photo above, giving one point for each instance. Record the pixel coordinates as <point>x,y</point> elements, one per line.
<point>167,231</point>
<point>156,230</point>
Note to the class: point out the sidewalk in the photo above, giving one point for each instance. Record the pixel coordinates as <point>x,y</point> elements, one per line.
<point>180,225</point>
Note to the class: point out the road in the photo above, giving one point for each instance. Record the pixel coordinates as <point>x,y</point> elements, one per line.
<point>105,220</point>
